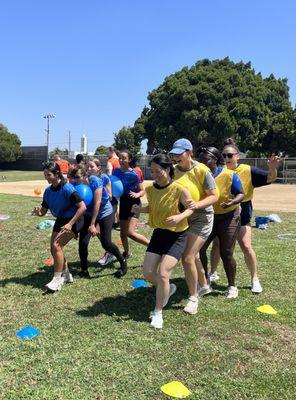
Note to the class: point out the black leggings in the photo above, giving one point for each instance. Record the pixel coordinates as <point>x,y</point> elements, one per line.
<point>105,238</point>
<point>226,228</point>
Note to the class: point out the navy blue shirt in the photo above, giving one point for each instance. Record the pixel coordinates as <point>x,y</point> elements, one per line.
<point>259,177</point>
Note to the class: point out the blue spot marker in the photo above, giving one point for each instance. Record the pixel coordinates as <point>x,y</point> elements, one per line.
<point>28,332</point>
<point>139,283</point>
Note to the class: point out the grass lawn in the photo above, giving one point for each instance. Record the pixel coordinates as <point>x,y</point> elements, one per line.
<point>17,176</point>
<point>96,343</point>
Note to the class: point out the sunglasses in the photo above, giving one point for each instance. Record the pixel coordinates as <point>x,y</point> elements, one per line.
<point>228,155</point>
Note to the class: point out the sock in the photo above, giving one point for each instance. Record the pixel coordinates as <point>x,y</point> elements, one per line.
<point>57,274</point>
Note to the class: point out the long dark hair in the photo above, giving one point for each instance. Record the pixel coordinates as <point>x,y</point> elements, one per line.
<point>132,159</point>
<point>213,152</point>
<point>164,162</point>
<point>54,168</point>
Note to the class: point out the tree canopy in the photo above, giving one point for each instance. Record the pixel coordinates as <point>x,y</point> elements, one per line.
<point>217,99</point>
<point>128,138</point>
<point>101,150</point>
<point>10,145</point>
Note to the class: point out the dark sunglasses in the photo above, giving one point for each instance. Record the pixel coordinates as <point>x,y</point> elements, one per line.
<point>228,155</point>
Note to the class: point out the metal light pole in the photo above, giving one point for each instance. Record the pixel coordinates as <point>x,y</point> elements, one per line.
<point>48,117</point>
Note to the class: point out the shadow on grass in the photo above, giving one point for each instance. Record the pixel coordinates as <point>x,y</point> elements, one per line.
<point>37,279</point>
<point>136,304</point>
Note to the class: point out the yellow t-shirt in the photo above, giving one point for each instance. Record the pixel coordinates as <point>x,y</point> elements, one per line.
<point>244,173</point>
<point>164,203</point>
<point>193,180</point>
<point>224,183</point>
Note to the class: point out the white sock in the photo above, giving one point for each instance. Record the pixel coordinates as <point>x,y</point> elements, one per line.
<point>157,312</point>
<point>57,274</point>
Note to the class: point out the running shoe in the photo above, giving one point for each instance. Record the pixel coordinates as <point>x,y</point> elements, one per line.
<point>255,286</point>
<point>106,259</point>
<point>68,277</point>
<point>121,271</point>
<point>202,291</point>
<point>232,292</point>
<point>157,320</point>
<point>55,284</point>
<point>191,306</point>
<point>173,289</point>
<point>214,277</point>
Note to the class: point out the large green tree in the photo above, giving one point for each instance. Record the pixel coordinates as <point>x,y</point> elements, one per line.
<point>101,150</point>
<point>217,99</point>
<point>128,139</point>
<point>10,145</point>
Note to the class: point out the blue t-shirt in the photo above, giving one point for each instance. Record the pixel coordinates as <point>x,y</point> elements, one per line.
<point>95,183</point>
<point>105,178</point>
<point>58,200</point>
<point>129,179</point>
<point>236,186</point>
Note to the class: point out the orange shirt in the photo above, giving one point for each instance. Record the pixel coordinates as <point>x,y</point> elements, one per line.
<point>64,166</point>
<point>114,161</point>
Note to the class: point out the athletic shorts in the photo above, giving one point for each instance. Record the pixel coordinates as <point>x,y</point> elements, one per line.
<point>165,242</point>
<point>246,212</point>
<point>126,203</point>
<point>76,228</point>
<point>201,224</point>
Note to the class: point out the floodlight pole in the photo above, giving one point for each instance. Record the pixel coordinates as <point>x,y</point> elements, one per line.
<point>48,117</point>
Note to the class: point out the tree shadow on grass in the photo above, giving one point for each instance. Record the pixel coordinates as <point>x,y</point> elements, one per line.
<point>37,279</point>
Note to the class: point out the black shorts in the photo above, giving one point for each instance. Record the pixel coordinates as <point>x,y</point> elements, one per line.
<point>126,203</point>
<point>246,212</point>
<point>76,228</point>
<point>165,242</point>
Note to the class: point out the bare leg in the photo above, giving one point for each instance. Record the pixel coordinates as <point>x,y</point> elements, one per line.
<point>215,255</point>
<point>132,234</point>
<point>245,242</point>
<point>167,263</point>
<point>123,235</point>
<point>58,241</point>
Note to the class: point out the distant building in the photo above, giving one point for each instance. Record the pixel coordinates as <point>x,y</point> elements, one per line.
<point>83,147</point>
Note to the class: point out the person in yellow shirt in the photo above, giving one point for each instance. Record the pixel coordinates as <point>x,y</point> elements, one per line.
<point>251,178</point>
<point>226,214</point>
<point>197,178</point>
<point>168,216</point>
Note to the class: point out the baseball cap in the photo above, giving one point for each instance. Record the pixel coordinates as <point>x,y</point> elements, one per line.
<point>181,145</point>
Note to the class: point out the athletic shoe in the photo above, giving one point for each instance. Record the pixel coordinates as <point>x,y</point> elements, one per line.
<point>255,286</point>
<point>202,291</point>
<point>83,275</point>
<point>116,226</point>
<point>121,271</point>
<point>214,277</point>
<point>126,256</point>
<point>106,259</point>
<point>173,289</point>
<point>68,278</point>
<point>232,292</point>
<point>55,284</point>
<point>191,306</point>
<point>157,321</point>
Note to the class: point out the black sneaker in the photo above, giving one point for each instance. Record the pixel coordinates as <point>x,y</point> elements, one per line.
<point>121,271</point>
<point>116,226</point>
<point>83,275</point>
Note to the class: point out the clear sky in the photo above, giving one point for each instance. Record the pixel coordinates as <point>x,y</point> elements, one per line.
<point>92,63</point>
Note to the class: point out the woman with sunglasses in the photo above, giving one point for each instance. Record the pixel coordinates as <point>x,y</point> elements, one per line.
<point>66,205</point>
<point>226,214</point>
<point>197,178</point>
<point>251,178</point>
<point>98,218</point>
<point>165,199</point>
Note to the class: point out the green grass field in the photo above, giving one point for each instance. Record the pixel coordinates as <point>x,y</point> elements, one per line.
<point>96,343</point>
<point>17,176</point>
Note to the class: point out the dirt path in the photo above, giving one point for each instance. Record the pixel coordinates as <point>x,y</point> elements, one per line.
<point>275,197</point>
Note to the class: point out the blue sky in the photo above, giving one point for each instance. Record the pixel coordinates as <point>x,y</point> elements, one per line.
<point>93,63</point>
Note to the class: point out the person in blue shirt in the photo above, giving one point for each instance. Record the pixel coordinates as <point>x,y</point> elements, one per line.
<point>66,205</point>
<point>133,190</point>
<point>226,214</point>
<point>98,218</point>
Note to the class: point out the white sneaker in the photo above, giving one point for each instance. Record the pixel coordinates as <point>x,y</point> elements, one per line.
<point>68,277</point>
<point>55,284</point>
<point>106,259</point>
<point>202,291</point>
<point>173,289</point>
<point>191,306</point>
<point>232,292</point>
<point>255,286</point>
<point>214,277</point>
<point>157,321</point>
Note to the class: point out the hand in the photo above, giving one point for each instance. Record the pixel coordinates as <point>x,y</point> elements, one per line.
<point>274,162</point>
<point>227,204</point>
<point>135,195</point>
<point>135,208</point>
<point>37,212</point>
<point>173,220</point>
<point>66,228</point>
<point>92,230</point>
<point>192,205</point>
